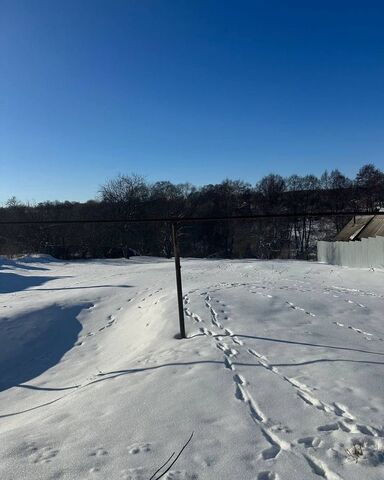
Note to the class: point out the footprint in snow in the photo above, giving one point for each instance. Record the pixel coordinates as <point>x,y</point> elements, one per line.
<point>309,442</point>
<point>139,448</point>
<point>99,452</point>
<point>42,455</point>
<point>180,475</point>
<point>329,427</point>
<point>135,474</point>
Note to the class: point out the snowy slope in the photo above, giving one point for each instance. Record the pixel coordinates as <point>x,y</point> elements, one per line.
<point>281,373</point>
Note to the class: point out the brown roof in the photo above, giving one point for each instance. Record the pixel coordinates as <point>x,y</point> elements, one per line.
<point>375,228</point>
<point>364,226</point>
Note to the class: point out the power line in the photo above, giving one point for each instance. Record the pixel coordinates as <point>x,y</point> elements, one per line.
<point>192,219</point>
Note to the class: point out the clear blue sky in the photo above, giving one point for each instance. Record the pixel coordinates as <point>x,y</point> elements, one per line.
<point>186,90</point>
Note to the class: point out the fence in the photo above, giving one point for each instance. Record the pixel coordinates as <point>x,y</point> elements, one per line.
<point>368,252</point>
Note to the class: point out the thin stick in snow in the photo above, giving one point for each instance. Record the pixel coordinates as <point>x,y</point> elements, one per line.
<point>174,461</point>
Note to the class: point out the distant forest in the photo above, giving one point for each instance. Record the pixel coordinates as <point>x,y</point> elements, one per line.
<point>132,197</point>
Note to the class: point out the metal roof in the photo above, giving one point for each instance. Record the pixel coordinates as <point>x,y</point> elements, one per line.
<point>364,226</point>
<point>375,228</point>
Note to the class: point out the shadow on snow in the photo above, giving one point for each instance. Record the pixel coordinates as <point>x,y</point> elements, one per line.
<point>32,343</point>
<point>13,282</point>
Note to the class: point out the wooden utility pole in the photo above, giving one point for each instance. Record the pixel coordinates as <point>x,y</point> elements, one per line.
<point>176,253</point>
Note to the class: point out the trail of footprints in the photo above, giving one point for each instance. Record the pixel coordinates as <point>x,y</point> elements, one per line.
<point>352,291</point>
<point>366,335</point>
<point>111,319</point>
<point>259,290</point>
<point>241,392</point>
<point>346,421</point>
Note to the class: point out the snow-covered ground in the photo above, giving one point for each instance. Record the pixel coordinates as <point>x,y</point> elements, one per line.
<point>282,372</point>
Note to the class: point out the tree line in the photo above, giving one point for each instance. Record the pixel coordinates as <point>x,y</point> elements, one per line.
<point>130,197</point>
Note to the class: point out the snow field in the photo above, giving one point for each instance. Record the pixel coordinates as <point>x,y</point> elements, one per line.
<point>281,372</point>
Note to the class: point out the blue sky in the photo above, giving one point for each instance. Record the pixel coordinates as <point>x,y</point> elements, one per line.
<point>185,90</point>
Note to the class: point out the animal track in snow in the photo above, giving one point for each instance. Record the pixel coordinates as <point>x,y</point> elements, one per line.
<point>349,425</point>
<point>196,318</point>
<point>206,332</point>
<point>263,361</point>
<point>94,470</point>
<point>239,379</point>
<point>355,303</point>
<point>267,295</point>
<point>256,354</point>
<point>242,394</point>
<point>180,475</point>
<point>338,416</point>
<point>216,323</point>
<point>329,427</point>
<point>271,452</point>
<point>290,304</point>
<point>368,336</point>
<point>212,311</point>
<point>186,299</point>
<point>139,448</point>
<point>111,321</point>
<point>228,363</point>
<point>335,408</point>
<point>228,351</point>
<point>321,469</point>
<point>241,391</point>
<point>314,402</point>
<point>298,385</point>
<point>41,455</point>
<point>276,445</point>
<point>295,307</point>
<point>342,411</point>
<point>134,474</point>
<point>304,392</point>
<point>310,442</point>
<point>357,330</point>
<point>351,291</point>
<point>99,452</point>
